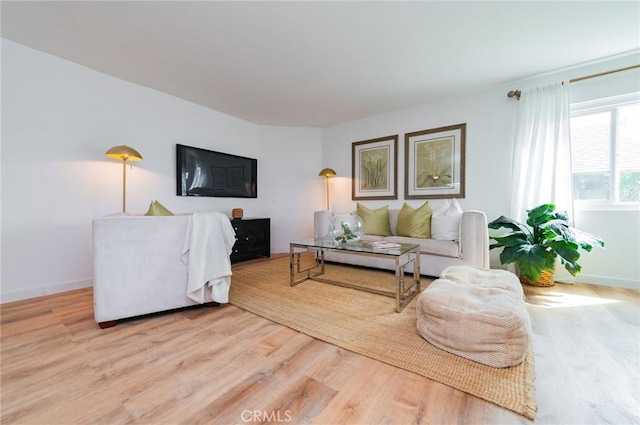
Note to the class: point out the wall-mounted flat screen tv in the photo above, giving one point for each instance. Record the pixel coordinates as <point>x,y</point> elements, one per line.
<point>201,172</point>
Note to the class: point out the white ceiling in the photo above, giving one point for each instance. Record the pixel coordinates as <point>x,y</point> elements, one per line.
<point>322,63</point>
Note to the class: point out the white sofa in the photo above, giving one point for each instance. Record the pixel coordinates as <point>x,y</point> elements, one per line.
<point>138,266</point>
<point>472,248</point>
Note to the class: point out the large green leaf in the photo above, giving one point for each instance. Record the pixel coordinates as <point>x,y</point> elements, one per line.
<point>540,214</point>
<point>509,254</point>
<point>561,215</point>
<point>510,239</point>
<point>509,223</point>
<point>566,250</point>
<point>532,259</point>
<point>556,227</point>
<point>572,267</point>
<point>586,240</point>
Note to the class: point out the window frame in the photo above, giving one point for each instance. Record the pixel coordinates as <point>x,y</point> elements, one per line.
<point>611,105</point>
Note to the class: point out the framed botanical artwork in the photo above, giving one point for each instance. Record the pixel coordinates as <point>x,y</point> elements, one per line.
<point>434,163</point>
<point>374,169</point>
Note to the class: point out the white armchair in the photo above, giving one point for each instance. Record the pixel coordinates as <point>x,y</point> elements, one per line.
<point>138,266</point>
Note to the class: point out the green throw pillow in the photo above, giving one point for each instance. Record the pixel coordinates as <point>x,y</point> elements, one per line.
<point>415,223</point>
<point>156,208</point>
<point>376,222</point>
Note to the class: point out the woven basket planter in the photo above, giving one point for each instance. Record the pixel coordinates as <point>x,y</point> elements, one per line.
<point>545,279</point>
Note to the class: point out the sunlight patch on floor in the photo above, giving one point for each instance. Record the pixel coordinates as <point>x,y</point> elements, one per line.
<point>559,299</point>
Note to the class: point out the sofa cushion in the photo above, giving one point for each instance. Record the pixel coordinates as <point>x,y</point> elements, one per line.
<point>157,209</point>
<point>445,221</point>
<point>430,246</point>
<point>376,222</point>
<point>415,223</point>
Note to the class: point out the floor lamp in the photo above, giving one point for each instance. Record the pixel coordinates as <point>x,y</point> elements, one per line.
<point>125,153</point>
<point>326,173</point>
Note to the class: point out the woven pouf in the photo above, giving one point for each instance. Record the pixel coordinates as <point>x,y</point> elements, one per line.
<point>486,324</point>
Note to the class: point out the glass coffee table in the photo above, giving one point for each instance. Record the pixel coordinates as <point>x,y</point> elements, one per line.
<point>405,289</point>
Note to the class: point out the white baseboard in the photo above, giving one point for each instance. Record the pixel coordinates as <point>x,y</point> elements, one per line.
<point>608,281</point>
<point>46,290</point>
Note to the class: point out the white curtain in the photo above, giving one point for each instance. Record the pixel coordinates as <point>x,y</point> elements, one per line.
<point>541,170</point>
<point>542,156</point>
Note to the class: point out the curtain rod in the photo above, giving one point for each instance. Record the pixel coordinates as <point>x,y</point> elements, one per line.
<point>518,93</point>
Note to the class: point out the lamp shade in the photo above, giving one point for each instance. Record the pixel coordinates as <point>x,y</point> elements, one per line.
<point>124,153</point>
<point>327,172</point>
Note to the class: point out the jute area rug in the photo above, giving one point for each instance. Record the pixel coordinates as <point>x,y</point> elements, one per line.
<point>367,324</point>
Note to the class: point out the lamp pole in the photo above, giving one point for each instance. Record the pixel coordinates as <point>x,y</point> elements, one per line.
<point>327,179</point>
<point>124,184</point>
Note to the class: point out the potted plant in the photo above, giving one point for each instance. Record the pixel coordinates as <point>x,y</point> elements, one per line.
<point>534,247</point>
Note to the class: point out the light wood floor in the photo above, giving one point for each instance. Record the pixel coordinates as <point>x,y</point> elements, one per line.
<point>223,365</point>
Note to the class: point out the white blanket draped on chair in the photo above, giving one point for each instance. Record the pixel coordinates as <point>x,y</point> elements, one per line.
<point>206,250</point>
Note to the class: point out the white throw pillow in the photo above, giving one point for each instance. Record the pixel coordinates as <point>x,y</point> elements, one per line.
<point>445,221</point>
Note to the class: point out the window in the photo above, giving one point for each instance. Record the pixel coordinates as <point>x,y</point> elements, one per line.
<point>605,150</point>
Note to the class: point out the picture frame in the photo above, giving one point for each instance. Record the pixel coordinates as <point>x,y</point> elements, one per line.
<point>374,165</point>
<point>435,163</point>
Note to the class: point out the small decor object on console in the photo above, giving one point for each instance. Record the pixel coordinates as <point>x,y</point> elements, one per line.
<point>346,228</point>
<point>237,213</point>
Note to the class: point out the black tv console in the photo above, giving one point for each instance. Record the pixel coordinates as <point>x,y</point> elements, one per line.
<point>253,238</point>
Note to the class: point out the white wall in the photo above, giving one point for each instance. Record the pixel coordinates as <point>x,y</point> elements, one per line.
<point>294,189</point>
<point>58,120</point>
<point>490,118</point>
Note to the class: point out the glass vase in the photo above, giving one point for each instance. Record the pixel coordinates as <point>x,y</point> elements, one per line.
<point>346,228</point>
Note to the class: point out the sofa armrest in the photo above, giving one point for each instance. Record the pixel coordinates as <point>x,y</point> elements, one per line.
<point>474,239</point>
